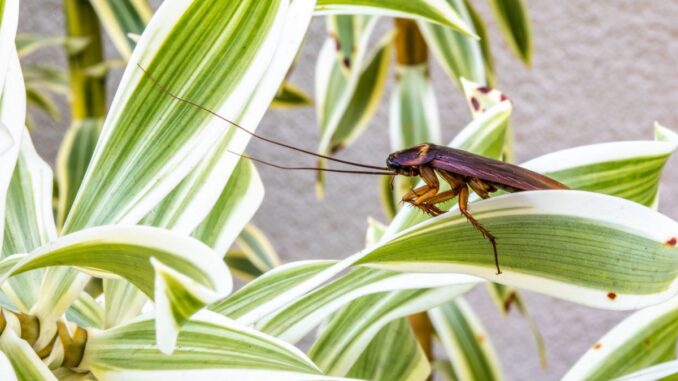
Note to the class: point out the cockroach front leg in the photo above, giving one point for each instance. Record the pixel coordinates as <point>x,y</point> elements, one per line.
<point>463,207</point>
<point>419,197</point>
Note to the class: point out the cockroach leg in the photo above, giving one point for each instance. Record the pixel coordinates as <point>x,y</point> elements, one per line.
<point>463,207</point>
<point>444,196</point>
<point>481,188</point>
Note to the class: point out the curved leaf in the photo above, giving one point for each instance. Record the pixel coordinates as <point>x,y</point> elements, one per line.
<point>298,318</point>
<point>26,363</point>
<point>350,331</point>
<point>661,371</point>
<point>125,251</point>
<point>291,96</point>
<point>413,113</point>
<point>514,23</point>
<point>236,205</point>
<point>12,119</point>
<point>209,347</point>
<point>465,341</point>
<point>9,18</point>
<point>612,253</point>
<point>645,338</point>
<point>459,55</point>
<point>122,17</point>
<point>28,218</point>
<point>393,355</point>
<point>86,312</point>
<point>125,159</point>
<point>438,11</point>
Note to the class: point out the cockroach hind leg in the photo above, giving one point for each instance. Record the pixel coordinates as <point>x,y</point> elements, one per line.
<point>486,233</point>
<point>496,254</point>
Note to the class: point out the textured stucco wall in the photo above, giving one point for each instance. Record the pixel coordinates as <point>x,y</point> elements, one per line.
<point>603,71</point>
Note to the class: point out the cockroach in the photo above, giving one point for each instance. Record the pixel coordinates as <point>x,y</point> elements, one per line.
<point>459,168</point>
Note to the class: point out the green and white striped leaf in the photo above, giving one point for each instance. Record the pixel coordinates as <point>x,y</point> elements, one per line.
<point>257,248</point>
<point>366,96</point>
<point>177,298</point>
<point>413,116</point>
<point>123,302</point>
<point>631,170</point>
<point>505,298</point>
<point>290,96</point>
<point>375,230</point>
<point>126,252</point>
<point>9,19</point>
<point>276,288</point>
<point>514,23</point>
<point>298,318</point>
<point>241,266</point>
<point>480,98</point>
<point>26,364</point>
<point>646,338</point>
<point>236,205</point>
<point>240,70</point>
<point>27,44</point>
<point>209,347</point>
<point>481,29</point>
<point>86,312</point>
<point>350,331</point>
<point>6,368</point>
<point>663,134</point>
<point>28,219</point>
<point>611,254</point>
<point>49,78</point>
<point>652,373</point>
<point>120,18</point>
<point>346,96</point>
<point>438,11</point>
<point>74,156</point>
<point>465,341</point>
<point>459,55</point>
<point>12,119</point>
<point>141,113</point>
<point>194,198</point>
<point>393,355</point>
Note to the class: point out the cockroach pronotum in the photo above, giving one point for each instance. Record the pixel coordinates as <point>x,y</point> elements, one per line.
<point>460,169</point>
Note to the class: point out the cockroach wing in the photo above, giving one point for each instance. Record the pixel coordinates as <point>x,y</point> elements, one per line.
<point>503,175</point>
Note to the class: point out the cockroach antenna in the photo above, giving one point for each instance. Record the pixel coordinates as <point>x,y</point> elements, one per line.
<point>383,173</point>
<point>165,90</point>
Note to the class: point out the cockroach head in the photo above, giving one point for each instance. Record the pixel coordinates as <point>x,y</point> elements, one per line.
<point>407,161</point>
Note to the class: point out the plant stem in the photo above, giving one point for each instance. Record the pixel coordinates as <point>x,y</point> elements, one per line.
<point>88,105</point>
<point>73,345</point>
<point>88,92</point>
<point>411,49</point>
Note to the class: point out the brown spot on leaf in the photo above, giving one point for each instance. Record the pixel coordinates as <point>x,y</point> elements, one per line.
<point>647,343</point>
<point>503,97</point>
<point>480,339</point>
<point>672,241</point>
<point>484,89</point>
<point>347,62</point>
<point>475,103</point>
<point>337,44</point>
<point>611,295</point>
<point>597,346</point>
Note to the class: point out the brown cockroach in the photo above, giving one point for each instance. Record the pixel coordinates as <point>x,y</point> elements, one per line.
<point>460,169</point>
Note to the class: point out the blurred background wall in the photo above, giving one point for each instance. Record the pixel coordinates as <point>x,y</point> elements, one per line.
<point>602,71</point>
